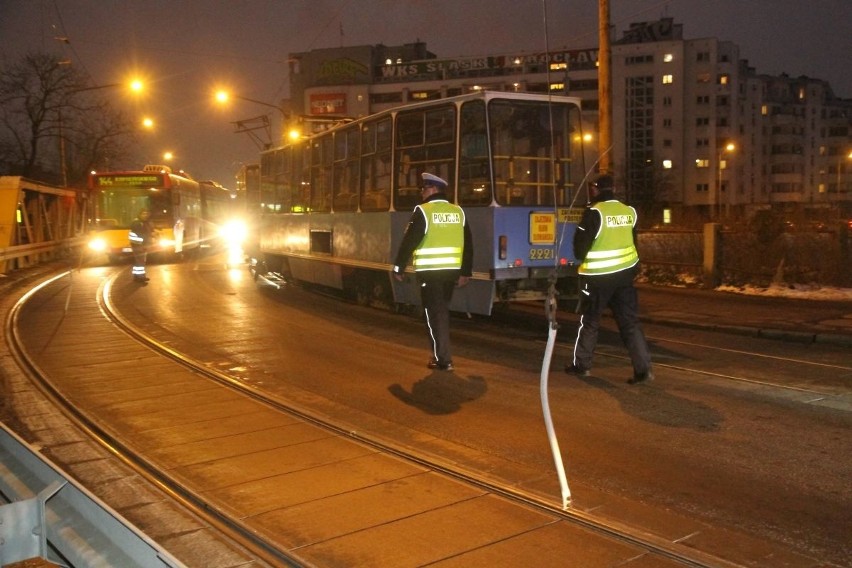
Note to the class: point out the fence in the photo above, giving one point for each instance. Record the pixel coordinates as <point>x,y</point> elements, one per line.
<point>38,222</point>
<point>737,257</point>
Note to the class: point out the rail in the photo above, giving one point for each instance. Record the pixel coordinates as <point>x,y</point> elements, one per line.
<point>49,516</point>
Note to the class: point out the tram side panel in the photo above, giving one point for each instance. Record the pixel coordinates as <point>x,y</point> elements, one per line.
<point>516,251</point>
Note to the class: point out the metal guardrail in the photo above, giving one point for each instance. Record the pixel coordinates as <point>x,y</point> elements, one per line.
<point>50,516</point>
<point>18,251</point>
<point>34,251</point>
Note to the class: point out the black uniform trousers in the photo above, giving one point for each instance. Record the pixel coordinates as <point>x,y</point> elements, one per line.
<point>140,259</point>
<point>614,291</point>
<point>436,292</point>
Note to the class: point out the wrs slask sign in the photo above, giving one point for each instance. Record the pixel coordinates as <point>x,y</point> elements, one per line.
<point>575,59</point>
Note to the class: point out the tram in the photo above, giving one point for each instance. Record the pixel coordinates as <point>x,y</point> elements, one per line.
<point>186,214</point>
<point>334,206</point>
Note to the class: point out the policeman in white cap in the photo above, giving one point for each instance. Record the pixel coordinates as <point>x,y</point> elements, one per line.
<point>439,240</point>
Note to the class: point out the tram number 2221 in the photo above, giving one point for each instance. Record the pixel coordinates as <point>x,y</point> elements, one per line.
<point>542,254</point>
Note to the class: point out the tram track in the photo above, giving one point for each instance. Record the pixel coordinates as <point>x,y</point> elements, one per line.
<point>243,533</point>
<point>709,351</point>
<point>672,551</point>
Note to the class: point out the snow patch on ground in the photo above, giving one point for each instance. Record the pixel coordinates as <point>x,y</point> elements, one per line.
<point>796,291</point>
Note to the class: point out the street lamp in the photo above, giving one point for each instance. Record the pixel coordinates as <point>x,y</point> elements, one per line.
<point>729,147</point>
<point>248,126</point>
<point>135,85</point>
<point>223,96</point>
<point>840,157</point>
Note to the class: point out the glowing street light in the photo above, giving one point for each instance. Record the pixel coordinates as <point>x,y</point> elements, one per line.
<point>135,86</point>
<point>223,96</point>
<point>729,147</point>
<point>840,157</point>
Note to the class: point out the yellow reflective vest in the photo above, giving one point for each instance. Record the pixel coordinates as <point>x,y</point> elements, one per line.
<point>443,243</point>
<point>613,250</point>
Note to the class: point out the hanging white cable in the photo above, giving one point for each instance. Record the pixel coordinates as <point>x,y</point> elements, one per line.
<point>550,309</point>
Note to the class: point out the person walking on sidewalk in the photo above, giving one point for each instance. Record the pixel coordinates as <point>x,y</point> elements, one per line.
<point>439,239</point>
<point>605,243</point>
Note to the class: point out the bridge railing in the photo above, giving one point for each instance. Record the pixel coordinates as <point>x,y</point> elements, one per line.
<point>38,222</point>
<point>50,516</point>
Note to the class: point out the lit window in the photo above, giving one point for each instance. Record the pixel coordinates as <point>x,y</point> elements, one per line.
<point>723,79</point>
<point>802,94</point>
<point>668,58</point>
<point>388,61</point>
<point>558,66</point>
<point>764,110</point>
<point>699,163</point>
<point>667,164</point>
<point>668,79</point>
<point>557,86</point>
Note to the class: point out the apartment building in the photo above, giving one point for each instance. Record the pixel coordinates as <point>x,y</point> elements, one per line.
<point>696,131</point>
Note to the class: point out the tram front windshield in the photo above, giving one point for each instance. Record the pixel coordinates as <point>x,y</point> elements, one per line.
<point>532,152</point>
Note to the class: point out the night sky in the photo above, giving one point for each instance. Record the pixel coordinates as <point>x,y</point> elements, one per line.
<point>186,48</point>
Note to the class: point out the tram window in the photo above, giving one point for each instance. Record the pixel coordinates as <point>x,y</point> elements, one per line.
<point>409,130</point>
<point>474,174</point>
<point>321,172</point>
<point>345,182</point>
<point>384,135</point>
<point>440,125</point>
<point>529,143</point>
<point>425,143</point>
<point>375,174</point>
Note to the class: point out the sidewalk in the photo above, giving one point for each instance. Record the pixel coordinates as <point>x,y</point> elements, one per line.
<point>800,320</point>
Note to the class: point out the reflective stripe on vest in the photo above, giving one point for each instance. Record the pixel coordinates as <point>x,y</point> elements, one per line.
<point>441,247</point>
<point>613,249</point>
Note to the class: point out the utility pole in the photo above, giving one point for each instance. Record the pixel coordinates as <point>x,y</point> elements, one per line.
<point>604,89</point>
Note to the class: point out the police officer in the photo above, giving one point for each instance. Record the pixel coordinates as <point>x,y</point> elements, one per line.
<point>142,235</point>
<point>439,239</point>
<point>605,242</point>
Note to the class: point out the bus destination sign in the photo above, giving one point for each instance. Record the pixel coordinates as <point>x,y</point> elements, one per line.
<point>129,180</point>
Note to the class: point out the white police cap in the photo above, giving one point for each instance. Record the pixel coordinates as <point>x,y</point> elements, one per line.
<point>433,180</point>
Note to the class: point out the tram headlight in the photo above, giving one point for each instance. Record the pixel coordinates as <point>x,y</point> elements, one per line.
<point>98,244</point>
<point>234,232</point>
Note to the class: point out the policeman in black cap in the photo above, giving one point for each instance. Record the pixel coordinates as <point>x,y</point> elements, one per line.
<point>605,243</point>
<point>440,241</point>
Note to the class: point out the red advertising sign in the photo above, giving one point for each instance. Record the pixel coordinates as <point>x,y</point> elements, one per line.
<point>328,103</point>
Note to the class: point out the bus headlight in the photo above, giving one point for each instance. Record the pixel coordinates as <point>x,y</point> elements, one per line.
<point>233,232</point>
<point>98,244</point>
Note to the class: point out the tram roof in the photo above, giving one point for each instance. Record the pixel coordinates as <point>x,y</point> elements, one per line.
<point>483,94</point>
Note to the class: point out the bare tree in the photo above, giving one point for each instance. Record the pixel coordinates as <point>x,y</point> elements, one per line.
<point>54,126</point>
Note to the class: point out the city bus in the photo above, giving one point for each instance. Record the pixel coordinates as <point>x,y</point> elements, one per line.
<point>186,214</point>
